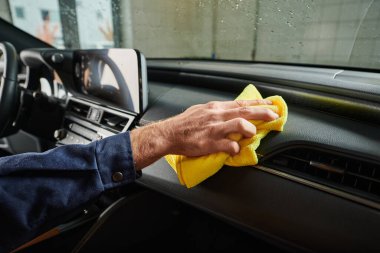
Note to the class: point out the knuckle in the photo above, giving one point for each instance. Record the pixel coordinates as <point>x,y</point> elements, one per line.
<point>202,144</point>
<point>212,105</point>
<point>213,115</point>
<point>240,123</point>
<point>243,111</point>
<point>268,114</point>
<point>260,102</point>
<point>240,102</point>
<point>245,127</point>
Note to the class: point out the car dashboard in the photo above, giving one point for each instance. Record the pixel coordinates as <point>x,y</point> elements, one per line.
<point>317,184</point>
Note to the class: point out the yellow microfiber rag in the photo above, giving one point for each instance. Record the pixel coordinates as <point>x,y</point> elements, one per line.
<point>193,170</point>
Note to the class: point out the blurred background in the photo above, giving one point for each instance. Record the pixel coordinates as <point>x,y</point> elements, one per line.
<point>323,32</point>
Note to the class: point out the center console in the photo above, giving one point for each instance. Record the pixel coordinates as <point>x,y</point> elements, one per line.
<point>85,121</point>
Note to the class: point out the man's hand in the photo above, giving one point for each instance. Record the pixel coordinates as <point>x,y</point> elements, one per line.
<point>200,130</point>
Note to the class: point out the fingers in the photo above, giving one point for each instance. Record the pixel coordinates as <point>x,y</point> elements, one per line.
<point>228,146</point>
<point>205,128</point>
<point>225,105</point>
<point>237,125</point>
<point>250,113</point>
<point>237,103</point>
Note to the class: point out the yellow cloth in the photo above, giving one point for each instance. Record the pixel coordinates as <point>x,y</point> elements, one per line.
<point>193,170</point>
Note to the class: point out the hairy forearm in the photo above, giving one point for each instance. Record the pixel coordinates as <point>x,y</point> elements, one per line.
<point>149,143</point>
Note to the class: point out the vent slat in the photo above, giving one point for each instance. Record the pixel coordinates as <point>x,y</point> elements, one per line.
<point>339,171</point>
<point>105,119</point>
<point>78,109</point>
<point>113,121</point>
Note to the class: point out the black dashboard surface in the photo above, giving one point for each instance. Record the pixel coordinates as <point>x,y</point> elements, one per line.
<point>267,205</point>
<point>304,125</point>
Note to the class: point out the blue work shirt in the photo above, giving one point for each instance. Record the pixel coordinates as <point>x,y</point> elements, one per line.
<point>36,189</point>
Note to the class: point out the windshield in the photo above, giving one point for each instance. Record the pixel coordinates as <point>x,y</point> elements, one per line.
<point>322,32</point>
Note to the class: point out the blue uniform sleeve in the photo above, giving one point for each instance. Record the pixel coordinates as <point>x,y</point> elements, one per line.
<point>38,188</point>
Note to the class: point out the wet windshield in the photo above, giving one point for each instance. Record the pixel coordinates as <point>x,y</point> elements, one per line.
<point>318,32</point>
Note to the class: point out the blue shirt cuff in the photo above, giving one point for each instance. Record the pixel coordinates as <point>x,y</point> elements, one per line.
<point>115,161</point>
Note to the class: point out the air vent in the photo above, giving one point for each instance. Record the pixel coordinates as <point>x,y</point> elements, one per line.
<point>78,109</point>
<point>342,172</point>
<point>103,117</point>
<point>113,122</point>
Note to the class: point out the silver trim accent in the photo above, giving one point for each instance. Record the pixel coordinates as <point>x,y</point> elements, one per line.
<point>317,186</point>
<point>4,144</point>
<point>144,79</point>
<point>326,167</point>
<point>337,73</point>
<point>100,131</point>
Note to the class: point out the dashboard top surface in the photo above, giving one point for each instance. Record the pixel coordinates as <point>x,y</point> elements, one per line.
<point>304,126</point>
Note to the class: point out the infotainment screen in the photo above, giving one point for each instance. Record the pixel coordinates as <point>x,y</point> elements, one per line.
<point>113,76</point>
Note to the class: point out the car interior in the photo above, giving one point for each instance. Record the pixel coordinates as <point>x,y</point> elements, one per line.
<point>316,187</point>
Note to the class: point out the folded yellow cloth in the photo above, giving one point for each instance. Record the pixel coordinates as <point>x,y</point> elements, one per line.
<point>193,170</point>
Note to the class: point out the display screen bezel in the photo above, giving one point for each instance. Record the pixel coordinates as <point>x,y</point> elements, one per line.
<point>134,57</point>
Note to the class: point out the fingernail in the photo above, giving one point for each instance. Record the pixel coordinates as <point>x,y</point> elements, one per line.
<point>268,102</point>
<point>276,115</point>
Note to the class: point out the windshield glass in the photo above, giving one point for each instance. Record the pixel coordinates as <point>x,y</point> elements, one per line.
<point>322,32</point>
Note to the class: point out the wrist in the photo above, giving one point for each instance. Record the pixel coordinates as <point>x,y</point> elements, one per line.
<point>164,137</point>
<point>150,143</point>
